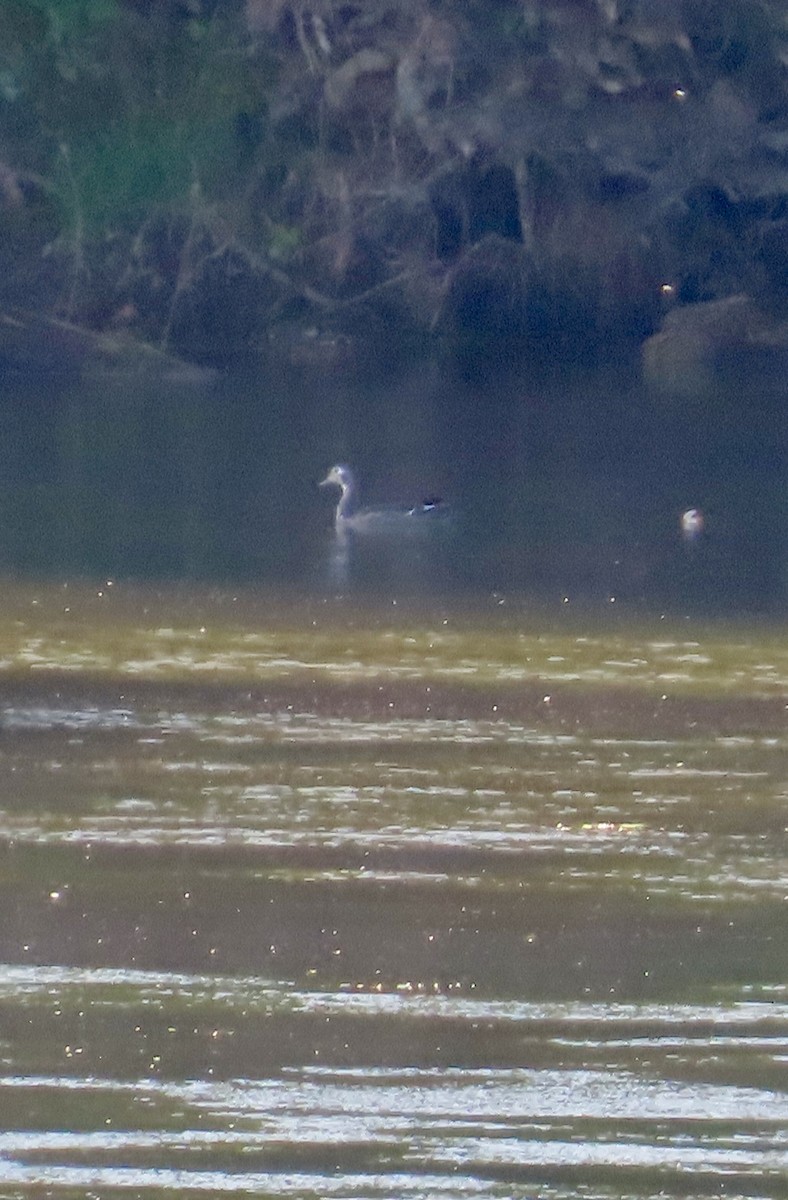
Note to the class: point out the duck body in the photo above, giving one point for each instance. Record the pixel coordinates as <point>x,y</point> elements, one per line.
<point>350,515</point>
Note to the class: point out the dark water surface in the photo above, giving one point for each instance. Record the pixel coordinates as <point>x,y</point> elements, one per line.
<point>315,897</point>
<point>566,488</point>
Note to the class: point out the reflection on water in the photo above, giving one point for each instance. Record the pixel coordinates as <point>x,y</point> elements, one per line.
<point>572,489</point>
<point>654,1089</point>
<point>312,898</point>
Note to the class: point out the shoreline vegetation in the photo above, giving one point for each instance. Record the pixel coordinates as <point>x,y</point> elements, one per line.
<point>519,183</point>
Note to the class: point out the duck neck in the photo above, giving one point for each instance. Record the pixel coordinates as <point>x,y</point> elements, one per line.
<point>345,506</point>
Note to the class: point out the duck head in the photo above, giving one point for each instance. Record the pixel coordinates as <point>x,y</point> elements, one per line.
<point>340,476</point>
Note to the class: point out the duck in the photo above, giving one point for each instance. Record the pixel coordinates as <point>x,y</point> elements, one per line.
<point>350,515</point>
<point>692,522</point>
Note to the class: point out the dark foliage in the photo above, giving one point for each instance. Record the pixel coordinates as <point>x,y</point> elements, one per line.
<point>200,172</point>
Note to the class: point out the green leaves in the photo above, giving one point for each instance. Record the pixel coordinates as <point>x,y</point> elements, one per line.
<point>143,107</point>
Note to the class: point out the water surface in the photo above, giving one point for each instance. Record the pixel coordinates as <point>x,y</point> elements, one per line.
<point>320,897</point>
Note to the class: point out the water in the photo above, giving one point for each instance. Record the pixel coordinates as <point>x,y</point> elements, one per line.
<point>365,869</point>
<point>321,895</point>
<point>569,488</point>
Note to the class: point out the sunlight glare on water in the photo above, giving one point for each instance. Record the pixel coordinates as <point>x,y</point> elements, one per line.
<point>319,900</point>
